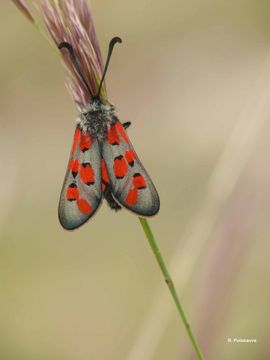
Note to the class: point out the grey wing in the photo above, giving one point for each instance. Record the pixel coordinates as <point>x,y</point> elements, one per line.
<point>130,183</point>
<point>81,193</point>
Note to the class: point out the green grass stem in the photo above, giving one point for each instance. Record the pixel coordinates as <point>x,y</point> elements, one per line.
<point>170,284</point>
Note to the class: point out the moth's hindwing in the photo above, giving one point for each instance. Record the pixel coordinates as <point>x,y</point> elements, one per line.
<point>131,185</point>
<point>81,193</point>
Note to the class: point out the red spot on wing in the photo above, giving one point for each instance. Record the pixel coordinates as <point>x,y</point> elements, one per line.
<point>103,187</point>
<point>132,197</point>
<point>121,131</point>
<point>130,156</point>
<point>138,181</point>
<point>86,142</point>
<point>84,206</point>
<point>76,140</point>
<point>104,172</point>
<point>120,167</point>
<point>72,192</point>
<point>74,167</point>
<point>87,174</point>
<point>112,136</point>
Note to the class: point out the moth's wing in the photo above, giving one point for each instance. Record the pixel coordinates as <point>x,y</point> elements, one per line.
<point>130,183</point>
<point>81,193</point>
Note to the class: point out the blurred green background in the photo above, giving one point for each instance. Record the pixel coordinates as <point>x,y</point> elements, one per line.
<point>194,79</point>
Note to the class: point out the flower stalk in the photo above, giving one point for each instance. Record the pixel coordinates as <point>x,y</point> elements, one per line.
<point>168,279</point>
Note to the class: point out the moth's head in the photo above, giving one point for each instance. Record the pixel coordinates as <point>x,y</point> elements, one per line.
<point>98,105</point>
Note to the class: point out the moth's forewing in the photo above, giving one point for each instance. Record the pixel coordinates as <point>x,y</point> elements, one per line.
<point>81,193</point>
<point>131,185</point>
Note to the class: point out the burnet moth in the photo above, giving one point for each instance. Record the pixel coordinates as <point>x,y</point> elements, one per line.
<point>103,163</point>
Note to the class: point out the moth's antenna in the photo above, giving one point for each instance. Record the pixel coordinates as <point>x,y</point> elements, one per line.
<point>75,62</point>
<point>111,46</point>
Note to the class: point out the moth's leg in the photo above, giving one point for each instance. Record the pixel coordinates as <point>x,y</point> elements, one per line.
<point>126,124</point>
<point>110,199</point>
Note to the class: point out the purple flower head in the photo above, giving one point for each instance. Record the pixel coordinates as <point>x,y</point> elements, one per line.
<point>70,25</point>
<point>71,21</point>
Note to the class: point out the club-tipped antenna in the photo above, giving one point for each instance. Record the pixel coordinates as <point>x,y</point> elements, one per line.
<point>75,62</point>
<point>114,40</point>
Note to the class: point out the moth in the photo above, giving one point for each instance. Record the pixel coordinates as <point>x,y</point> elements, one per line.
<point>103,162</point>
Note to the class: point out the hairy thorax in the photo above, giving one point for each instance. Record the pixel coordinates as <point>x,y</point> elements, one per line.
<point>96,117</point>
